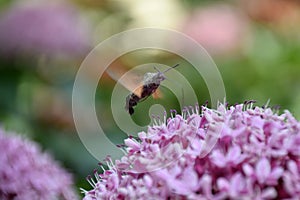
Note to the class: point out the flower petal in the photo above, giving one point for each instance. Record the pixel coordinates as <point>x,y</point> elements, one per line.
<point>262,170</point>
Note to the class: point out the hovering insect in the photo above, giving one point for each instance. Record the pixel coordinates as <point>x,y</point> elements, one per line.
<point>148,87</point>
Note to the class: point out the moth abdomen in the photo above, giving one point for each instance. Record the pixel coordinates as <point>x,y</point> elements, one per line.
<point>132,99</point>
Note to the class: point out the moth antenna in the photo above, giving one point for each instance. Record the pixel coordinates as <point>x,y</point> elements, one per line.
<point>171,68</point>
<point>156,69</point>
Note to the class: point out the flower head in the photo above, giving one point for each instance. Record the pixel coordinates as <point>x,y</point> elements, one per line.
<point>26,173</point>
<point>236,152</point>
<point>45,28</point>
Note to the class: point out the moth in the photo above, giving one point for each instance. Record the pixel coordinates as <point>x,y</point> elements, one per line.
<point>149,85</point>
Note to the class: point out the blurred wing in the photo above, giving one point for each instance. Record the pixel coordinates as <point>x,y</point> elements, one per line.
<point>130,81</point>
<point>138,91</point>
<point>157,94</point>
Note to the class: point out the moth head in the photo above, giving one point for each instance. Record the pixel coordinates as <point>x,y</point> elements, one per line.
<point>157,77</point>
<point>154,78</point>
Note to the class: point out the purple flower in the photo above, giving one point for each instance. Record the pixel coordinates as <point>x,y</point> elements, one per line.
<point>238,152</point>
<point>44,28</point>
<point>26,173</point>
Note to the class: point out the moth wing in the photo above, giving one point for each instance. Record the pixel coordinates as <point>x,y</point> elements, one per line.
<point>157,94</point>
<point>131,81</point>
<point>138,91</point>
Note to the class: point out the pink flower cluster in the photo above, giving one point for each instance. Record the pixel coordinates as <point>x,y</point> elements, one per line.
<point>28,174</point>
<point>240,152</point>
<point>49,28</point>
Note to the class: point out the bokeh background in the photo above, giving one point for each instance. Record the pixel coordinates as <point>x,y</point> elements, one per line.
<point>255,44</point>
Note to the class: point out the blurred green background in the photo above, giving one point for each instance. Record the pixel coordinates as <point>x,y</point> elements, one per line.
<point>255,44</point>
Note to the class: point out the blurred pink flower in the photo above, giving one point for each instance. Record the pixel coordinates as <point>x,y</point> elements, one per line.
<point>26,173</point>
<point>50,28</point>
<point>168,162</point>
<point>219,29</point>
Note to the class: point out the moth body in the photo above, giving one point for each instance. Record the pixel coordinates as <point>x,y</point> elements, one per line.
<point>150,84</point>
<point>132,99</point>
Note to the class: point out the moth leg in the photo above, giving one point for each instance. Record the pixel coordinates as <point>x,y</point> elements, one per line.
<point>143,99</point>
